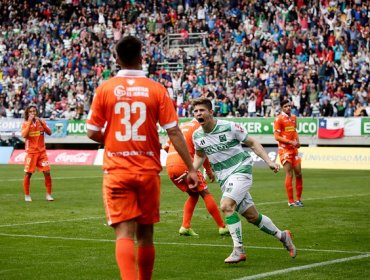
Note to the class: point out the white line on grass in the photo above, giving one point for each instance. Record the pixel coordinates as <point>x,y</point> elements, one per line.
<point>50,222</point>
<point>175,243</point>
<point>163,212</point>
<point>304,267</point>
<point>315,198</point>
<point>54,178</point>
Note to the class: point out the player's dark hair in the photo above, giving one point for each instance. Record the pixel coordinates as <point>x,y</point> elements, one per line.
<point>202,101</point>
<point>285,101</point>
<point>128,49</point>
<point>27,112</point>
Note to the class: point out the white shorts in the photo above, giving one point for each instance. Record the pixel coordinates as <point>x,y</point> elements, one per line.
<point>237,188</point>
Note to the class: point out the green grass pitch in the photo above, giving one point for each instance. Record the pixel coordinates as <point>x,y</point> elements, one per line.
<point>68,238</point>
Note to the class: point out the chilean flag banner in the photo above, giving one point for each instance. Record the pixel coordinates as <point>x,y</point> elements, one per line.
<point>331,128</point>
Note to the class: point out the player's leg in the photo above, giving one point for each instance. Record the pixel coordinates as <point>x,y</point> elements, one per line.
<point>149,197</point>
<point>288,168</point>
<point>175,171</point>
<point>298,183</point>
<point>26,186</point>
<point>235,189</point>
<point>212,208</point>
<point>48,185</point>
<point>146,251</point>
<point>189,207</point>
<point>29,168</point>
<point>122,211</point>
<point>266,225</point>
<point>125,248</point>
<point>43,165</point>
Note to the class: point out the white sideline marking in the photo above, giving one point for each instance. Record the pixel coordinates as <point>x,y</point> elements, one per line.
<point>304,267</point>
<point>176,243</point>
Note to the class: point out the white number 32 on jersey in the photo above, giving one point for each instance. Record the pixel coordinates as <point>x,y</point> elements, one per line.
<point>131,128</point>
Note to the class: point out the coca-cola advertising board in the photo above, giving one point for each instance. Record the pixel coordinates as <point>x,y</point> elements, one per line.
<point>62,157</point>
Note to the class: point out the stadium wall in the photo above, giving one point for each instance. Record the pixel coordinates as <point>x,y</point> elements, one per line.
<point>69,144</point>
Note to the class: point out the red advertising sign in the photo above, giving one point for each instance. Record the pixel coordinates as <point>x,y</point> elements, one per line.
<point>62,157</point>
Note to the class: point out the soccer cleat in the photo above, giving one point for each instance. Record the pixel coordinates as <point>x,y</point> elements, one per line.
<point>288,243</point>
<point>49,197</point>
<point>27,198</point>
<point>223,231</point>
<point>298,203</point>
<point>187,232</point>
<point>237,255</point>
<point>291,204</point>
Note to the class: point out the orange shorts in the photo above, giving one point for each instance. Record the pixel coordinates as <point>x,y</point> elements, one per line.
<point>289,155</point>
<point>39,160</point>
<point>131,196</point>
<point>175,171</point>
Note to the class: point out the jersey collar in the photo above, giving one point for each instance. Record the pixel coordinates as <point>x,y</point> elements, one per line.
<point>130,73</point>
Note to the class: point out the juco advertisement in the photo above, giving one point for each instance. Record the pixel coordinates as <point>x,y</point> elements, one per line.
<point>254,126</point>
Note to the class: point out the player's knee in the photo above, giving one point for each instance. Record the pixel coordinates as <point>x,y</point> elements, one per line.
<point>227,208</point>
<point>251,216</point>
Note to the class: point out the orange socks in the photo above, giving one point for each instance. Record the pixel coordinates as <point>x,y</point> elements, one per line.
<point>299,187</point>
<point>212,208</point>
<point>48,183</point>
<point>289,188</point>
<point>26,185</point>
<point>189,207</point>
<point>146,256</point>
<point>125,257</point>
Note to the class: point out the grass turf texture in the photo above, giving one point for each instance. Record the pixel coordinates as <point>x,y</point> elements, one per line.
<point>68,239</point>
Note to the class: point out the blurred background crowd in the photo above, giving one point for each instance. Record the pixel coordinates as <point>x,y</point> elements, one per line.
<point>252,54</point>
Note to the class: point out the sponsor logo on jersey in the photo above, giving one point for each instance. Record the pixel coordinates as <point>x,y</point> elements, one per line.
<point>216,148</point>
<point>35,133</point>
<point>222,138</point>
<point>289,129</point>
<point>120,91</point>
<point>237,126</point>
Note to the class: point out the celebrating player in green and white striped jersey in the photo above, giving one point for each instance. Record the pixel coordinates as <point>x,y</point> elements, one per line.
<point>221,141</point>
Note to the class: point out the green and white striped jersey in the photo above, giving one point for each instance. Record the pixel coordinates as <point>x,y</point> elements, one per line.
<point>224,150</point>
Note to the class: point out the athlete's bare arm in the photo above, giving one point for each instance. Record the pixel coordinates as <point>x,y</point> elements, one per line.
<point>96,136</point>
<point>257,148</point>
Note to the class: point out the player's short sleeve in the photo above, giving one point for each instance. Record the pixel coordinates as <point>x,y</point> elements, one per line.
<point>194,137</point>
<point>167,115</point>
<point>277,124</point>
<point>240,133</point>
<point>95,119</point>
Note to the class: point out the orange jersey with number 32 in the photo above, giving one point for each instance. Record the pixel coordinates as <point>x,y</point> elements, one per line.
<point>128,107</point>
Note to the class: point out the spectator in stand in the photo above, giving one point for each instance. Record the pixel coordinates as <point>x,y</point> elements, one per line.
<point>326,109</point>
<point>326,39</point>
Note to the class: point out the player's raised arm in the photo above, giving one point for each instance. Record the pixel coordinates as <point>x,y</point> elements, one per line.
<point>258,149</point>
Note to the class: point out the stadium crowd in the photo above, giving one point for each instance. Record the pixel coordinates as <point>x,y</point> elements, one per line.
<point>253,54</point>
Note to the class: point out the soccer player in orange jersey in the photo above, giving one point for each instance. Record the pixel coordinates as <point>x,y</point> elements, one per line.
<point>33,131</point>
<point>124,116</point>
<point>176,167</point>
<point>288,141</point>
